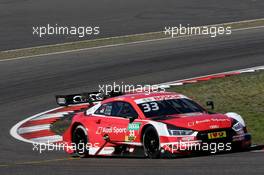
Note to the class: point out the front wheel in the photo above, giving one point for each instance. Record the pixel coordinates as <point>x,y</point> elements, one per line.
<point>151,143</point>
<point>80,140</point>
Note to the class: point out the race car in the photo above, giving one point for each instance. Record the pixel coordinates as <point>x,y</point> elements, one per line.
<point>155,125</point>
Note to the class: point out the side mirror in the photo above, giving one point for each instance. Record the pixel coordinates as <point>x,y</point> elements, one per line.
<point>131,119</point>
<point>210,104</point>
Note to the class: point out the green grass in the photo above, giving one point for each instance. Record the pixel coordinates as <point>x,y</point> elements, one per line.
<point>243,94</point>
<point>61,125</point>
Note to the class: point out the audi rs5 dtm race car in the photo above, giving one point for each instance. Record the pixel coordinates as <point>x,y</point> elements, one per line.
<point>152,124</point>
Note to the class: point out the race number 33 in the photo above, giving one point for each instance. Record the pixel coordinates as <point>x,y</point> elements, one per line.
<point>153,106</point>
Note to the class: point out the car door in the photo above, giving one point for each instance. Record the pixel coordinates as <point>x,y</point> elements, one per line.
<point>101,124</point>
<point>119,122</point>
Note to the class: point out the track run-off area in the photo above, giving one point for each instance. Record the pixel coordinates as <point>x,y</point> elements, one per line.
<point>28,87</point>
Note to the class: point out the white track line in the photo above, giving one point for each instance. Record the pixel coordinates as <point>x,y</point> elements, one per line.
<point>24,130</point>
<point>181,82</point>
<point>13,131</point>
<point>114,45</point>
<point>258,151</point>
<point>140,34</point>
<point>48,116</point>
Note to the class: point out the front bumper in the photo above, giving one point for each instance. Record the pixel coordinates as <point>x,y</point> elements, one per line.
<point>188,145</point>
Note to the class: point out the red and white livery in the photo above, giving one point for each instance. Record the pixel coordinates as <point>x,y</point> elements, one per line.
<point>159,124</point>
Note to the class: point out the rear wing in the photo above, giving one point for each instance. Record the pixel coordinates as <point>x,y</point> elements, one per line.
<point>86,97</point>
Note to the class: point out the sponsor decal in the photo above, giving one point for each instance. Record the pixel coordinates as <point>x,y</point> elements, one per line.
<point>130,138</point>
<point>134,126</point>
<point>220,120</point>
<point>190,123</point>
<point>168,97</point>
<point>159,98</point>
<point>119,99</point>
<point>187,138</point>
<point>111,149</point>
<point>202,121</point>
<point>214,126</point>
<point>107,130</point>
<point>207,121</point>
<point>217,135</point>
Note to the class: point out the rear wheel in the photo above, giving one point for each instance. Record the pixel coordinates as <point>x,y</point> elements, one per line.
<point>80,140</point>
<point>151,143</point>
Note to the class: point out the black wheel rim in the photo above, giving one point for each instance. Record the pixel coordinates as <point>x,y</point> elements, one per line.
<point>80,141</point>
<point>151,143</point>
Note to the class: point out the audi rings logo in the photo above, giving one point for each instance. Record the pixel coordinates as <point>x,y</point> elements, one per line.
<point>78,99</point>
<point>91,97</point>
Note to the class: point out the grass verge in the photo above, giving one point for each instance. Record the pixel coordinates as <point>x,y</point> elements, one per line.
<point>243,94</point>
<point>60,126</point>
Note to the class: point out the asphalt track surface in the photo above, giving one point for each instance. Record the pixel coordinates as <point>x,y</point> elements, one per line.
<point>115,17</point>
<point>28,86</point>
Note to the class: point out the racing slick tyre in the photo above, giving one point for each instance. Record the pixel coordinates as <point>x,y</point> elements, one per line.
<point>80,139</point>
<point>151,143</point>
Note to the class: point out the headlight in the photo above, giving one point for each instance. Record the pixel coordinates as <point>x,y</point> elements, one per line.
<point>237,126</point>
<point>179,131</point>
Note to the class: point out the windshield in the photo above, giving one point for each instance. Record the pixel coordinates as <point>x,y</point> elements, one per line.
<point>169,107</point>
